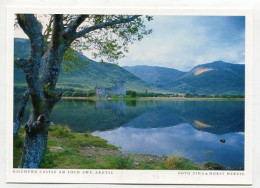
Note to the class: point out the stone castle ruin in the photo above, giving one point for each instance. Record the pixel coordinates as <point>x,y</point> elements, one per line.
<point>118,89</point>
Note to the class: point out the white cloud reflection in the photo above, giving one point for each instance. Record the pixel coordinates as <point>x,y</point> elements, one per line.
<point>182,140</point>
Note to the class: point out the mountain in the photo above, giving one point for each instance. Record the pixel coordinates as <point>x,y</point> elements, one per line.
<point>158,76</point>
<point>212,78</point>
<point>101,74</point>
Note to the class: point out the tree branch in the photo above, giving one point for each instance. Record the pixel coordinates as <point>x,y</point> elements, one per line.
<point>30,25</point>
<point>20,113</point>
<point>48,30</point>
<point>33,29</point>
<point>104,25</point>
<point>75,23</point>
<point>57,31</point>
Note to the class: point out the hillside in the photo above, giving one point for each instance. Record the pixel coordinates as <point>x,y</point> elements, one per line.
<point>102,74</point>
<point>212,78</point>
<point>158,76</point>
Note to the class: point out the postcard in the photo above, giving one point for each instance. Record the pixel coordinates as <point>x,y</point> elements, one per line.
<point>129,96</point>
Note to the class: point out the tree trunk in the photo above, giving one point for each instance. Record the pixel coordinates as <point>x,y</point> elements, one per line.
<point>20,113</point>
<point>35,140</point>
<point>37,127</point>
<point>33,150</point>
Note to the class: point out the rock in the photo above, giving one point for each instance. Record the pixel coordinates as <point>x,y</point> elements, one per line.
<point>222,140</point>
<point>213,166</point>
<point>136,164</point>
<point>56,148</point>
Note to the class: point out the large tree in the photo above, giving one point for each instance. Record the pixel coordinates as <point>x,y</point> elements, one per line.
<point>105,36</point>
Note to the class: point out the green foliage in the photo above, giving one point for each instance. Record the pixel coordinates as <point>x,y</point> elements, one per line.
<point>48,160</point>
<point>18,147</point>
<point>112,42</point>
<point>71,61</point>
<point>48,90</point>
<point>124,162</point>
<point>195,95</point>
<point>79,93</point>
<point>133,94</point>
<point>91,93</point>
<point>61,132</point>
<point>78,139</point>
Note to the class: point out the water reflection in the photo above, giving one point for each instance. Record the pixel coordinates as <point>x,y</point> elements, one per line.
<point>218,117</point>
<point>189,128</point>
<point>181,139</point>
<point>117,107</point>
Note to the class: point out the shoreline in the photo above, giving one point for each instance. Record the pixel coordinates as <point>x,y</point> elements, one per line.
<point>70,150</point>
<point>158,99</point>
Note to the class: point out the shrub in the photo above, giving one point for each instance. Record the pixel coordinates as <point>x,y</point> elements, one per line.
<point>60,131</point>
<point>91,93</point>
<point>172,161</point>
<point>133,94</point>
<point>124,162</point>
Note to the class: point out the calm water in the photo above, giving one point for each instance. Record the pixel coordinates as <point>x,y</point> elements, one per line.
<point>191,129</point>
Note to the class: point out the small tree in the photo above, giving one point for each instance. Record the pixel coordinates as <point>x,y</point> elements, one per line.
<point>133,94</point>
<point>105,36</point>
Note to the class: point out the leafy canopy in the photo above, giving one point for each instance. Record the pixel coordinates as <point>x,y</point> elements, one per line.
<point>106,44</point>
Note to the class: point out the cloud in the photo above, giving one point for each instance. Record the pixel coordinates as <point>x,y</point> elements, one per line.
<point>182,42</point>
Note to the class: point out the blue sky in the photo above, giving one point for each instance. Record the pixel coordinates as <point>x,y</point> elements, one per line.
<point>182,42</point>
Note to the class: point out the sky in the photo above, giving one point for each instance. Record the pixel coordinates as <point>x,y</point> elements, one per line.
<point>182,42</point>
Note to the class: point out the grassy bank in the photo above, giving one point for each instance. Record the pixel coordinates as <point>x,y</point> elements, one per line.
<point>69,150</point>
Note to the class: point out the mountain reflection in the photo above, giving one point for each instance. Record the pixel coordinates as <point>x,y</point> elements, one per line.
<point>217,117</point>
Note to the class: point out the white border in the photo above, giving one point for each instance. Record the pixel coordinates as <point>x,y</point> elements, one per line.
<point>132,176</point>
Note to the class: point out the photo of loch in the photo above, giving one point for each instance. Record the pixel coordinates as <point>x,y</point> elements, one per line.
<point>139,92</point>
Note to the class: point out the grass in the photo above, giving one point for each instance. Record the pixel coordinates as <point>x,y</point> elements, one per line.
<point>123,161</point>
<point>17,148</point>
<point>85,151</point>
<point>178,163</point>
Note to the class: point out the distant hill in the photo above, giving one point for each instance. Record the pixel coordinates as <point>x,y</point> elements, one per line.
<point>212,78</point>
<point>102,74</point>
<point>158,76</point>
